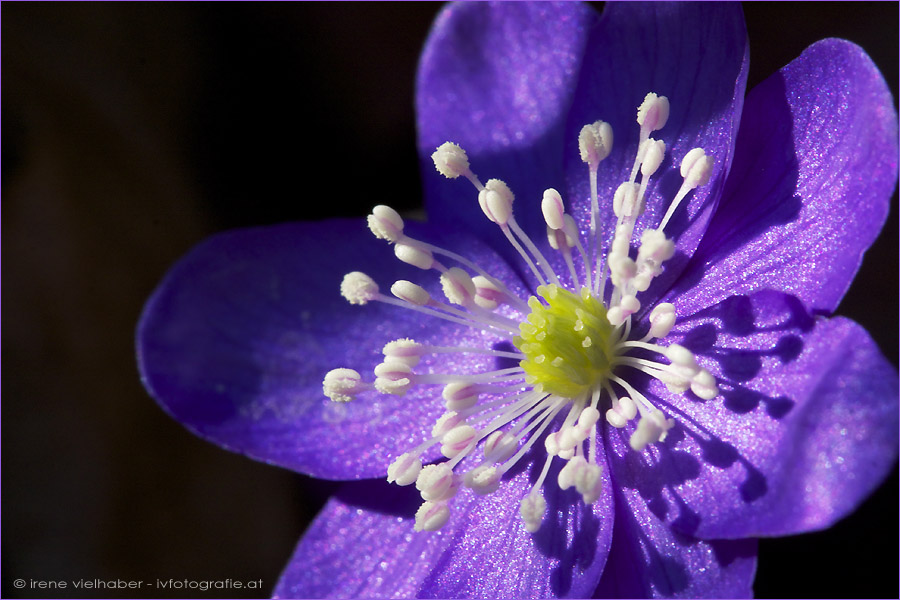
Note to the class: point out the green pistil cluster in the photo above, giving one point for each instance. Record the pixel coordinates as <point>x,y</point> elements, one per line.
<point>568,343</point>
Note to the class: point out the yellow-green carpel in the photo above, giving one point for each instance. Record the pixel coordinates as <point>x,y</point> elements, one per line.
<point>568,343</point>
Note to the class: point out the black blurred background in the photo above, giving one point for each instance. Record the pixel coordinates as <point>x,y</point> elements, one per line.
<point>133,131</point>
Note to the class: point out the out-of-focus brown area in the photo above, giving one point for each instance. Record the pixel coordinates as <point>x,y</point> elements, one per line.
<point>131,132</point>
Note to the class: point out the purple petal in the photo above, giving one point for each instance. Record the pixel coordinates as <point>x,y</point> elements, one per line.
<point>237,338</point>
<point>498,78</point>
<point>649,559</point>
<point>811,183</point>
<point>363,545</point>
<point>804,428</point>
<point>696,54</point>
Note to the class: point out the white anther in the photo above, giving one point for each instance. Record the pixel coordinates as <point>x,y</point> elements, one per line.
<point>342,385</point>
<point>565,238</point>
<point>630,304</point>
<point>627,407</point>
<point>589,483</point>
<point>681,356</point>
<point>569,473</point>
<point>627,201</point>
<point>653,112</point>
<point>569,437</point>
<point>696,168</point>
<point>403,350</point>
<point>499,446</point>
<point>385,223</point>
<point>413,255</point>
<point>676,384</point>
<point>460,395</point>
<point>652,153</point>
<point>358,288</point>
<point>552,207</point>
<point>483,480</point>
<point>551,444</point>
<point>393,377</point>
<point>431,516</point>
<point>487,294</point>
<point>626,307</point>
<point>655,247</point>
<point>704,385</point>
<point>410,292</point>
<point>615,419</point>
<point>662,319</point>
<point>404,470</point>
<point>621,269</point>
<point>595,142</point>
<point>532,508</point>
<point>458,286</point>
<point>651,428</point>
<point>622,411</point>
<point>450,160</point>
<point>436,483</point>
<point>496,201</point>
<point>588,417</point>
<point>445,423</point>
<point>458,440</point>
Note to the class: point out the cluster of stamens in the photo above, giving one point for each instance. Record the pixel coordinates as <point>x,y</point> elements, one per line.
<point>573,347</point>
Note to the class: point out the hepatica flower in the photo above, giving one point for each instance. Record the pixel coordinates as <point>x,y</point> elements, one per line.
<point>605,365</point>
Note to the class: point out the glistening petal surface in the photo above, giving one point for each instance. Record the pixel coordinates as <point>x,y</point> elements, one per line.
<point>695,54</point>
<point>236,340</point>
<point>811,183</point>
<point>805,426</point>
<point>497,78</point>
<point>650,559</point>
<point>363,545</point>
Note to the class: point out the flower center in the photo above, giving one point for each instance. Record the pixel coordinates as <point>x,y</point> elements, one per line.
<point>572,349</point>
<point>568,343</point>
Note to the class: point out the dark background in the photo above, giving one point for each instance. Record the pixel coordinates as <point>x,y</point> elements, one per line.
<point>133,131</point>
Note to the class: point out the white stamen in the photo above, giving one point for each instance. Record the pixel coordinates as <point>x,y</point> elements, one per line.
<point>653,112</point>
<point>483,480</point>
<point>410,292</point>
<point>627,202</point>
<point>414,255</point>
<point>445,423</point>
<point>696,168</point>
<point>385,223</point>
<point>450,160</point>
<point>499,446</point>
<point>662,319</point>
<point>458,286</point>
<point>496,201</point>
<point>704,385</point>
<point>436,483</point>
<point>405,469</point>
<point>595,142</point>
<point>457,440</point>
<point>651,428</point>
<point>652,154</point>
<point>393,377</point>
<point>532,509</point>
<point>488,295</point>
<point>342,385</point>
<point>431,516</point>
<point>460,395</point>
<point>358,288</point>
<point>404,350</point>
<point>552,207</point>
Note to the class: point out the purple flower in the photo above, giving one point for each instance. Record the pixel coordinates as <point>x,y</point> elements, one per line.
<point>671,446</point>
